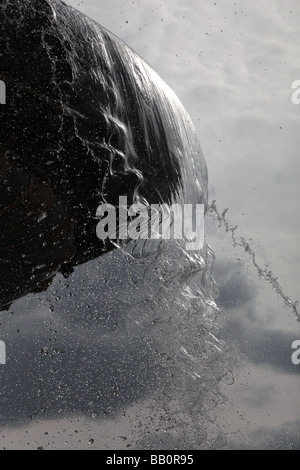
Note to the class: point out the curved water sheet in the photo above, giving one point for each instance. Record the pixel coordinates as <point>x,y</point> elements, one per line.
<point>130,339</point>
<point>137,348</point>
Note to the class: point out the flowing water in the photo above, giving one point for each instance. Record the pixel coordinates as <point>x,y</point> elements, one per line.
<point>128,351</point>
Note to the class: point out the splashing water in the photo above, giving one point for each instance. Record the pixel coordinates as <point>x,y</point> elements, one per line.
<point>263,273</point>
<point>112,127</point>
<point>96,122</point>
<point>177,316</point>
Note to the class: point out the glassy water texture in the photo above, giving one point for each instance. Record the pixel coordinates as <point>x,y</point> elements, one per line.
<point>145,346</point>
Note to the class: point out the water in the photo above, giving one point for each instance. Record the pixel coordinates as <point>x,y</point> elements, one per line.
<point>138,347</point>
